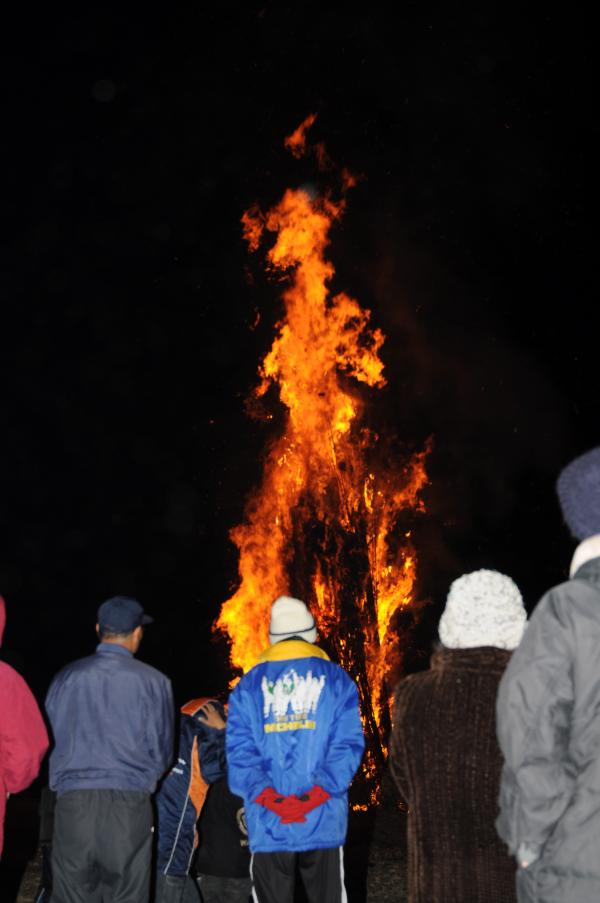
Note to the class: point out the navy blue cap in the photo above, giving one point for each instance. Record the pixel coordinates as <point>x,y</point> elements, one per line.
<point>121,615</point>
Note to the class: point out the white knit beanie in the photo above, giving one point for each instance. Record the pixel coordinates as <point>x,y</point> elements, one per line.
<point>290,617</point>
<point>483,608</point>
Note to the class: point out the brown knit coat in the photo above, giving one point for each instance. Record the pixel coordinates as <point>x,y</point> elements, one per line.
<point>445,761</point>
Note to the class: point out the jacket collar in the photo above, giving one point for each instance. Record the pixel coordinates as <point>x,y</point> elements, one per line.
<point>480,658</point>
<point>103,648</point>
<point>288,649</point>
<point>587,552</point>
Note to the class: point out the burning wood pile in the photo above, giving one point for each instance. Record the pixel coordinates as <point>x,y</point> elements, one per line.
<point>326,524</point>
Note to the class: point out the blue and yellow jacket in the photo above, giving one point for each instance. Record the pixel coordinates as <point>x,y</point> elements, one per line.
<point>200,762</point>
<point>294,722</point>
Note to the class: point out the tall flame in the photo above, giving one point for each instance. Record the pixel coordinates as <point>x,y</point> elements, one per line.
<point>326,522</point>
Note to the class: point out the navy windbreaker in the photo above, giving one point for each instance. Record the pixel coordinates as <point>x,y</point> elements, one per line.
<point>294,722</point>
<point>112,720</point>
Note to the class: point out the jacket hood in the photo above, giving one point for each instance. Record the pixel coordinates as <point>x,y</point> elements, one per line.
<point>198,723</point>
<point>586,551</point>
<point>2,618</point>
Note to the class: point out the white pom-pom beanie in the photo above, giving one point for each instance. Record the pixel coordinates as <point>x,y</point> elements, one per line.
<point>484,608</point>
<point>290,617</point>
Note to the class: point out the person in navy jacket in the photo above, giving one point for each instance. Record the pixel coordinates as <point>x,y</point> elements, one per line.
<point>294,741</point>
<point>112,720</point>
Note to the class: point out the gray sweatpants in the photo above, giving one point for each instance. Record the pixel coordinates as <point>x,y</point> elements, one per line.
<point>102,847</point>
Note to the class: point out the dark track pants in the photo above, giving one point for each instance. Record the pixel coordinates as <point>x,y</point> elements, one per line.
<point>322,873</point>
<point>102,847</point>
<point>176,889</point>
<point>224,890</point>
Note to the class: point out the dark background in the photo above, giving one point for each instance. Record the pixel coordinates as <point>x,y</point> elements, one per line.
<point>132,143</point>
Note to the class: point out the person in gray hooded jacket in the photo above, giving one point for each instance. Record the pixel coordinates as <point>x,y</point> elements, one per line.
<point>548,719</point>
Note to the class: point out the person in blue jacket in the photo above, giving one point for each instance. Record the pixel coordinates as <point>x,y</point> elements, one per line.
<point>112,721</point>
<point>294,741</point>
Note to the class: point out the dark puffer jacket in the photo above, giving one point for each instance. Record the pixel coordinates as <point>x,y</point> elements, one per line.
<point>549,731</point>
<point>445,760</point>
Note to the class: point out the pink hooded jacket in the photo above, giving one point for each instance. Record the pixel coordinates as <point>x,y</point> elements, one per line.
<point>23,736</point>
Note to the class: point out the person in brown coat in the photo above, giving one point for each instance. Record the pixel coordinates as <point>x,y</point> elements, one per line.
<point>444,756</point>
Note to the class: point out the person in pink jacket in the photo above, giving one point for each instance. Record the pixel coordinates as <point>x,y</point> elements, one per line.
<point>23,736</point>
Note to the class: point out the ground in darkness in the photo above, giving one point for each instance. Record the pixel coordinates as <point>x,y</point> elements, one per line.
<point>375,857</point>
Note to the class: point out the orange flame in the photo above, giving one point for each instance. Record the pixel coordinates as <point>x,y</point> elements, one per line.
<point>325,522</point>
<point>296,142</point>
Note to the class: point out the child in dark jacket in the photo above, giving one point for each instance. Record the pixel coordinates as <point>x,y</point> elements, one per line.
<point>202,849</point>
<point>179,802</point>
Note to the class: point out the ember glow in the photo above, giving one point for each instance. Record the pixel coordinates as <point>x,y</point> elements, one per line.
<point>326,524</point>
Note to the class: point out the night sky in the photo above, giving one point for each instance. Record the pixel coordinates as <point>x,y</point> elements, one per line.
<point>132,144</point>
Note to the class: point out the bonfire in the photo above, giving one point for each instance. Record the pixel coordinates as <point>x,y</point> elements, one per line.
<point>328,522</point>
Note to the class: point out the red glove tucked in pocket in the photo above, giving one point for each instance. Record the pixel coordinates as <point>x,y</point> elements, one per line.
<point>288,808</point>
<point>294,811</point>
<point>313,798</point>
